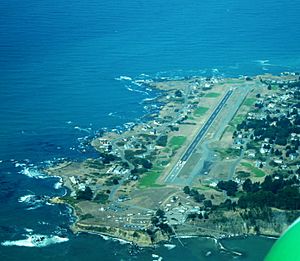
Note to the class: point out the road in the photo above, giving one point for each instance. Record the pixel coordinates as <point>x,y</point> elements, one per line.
<point>177,168</point>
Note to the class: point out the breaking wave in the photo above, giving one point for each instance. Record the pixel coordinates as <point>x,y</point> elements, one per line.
<point>33,173</point>
<point>123,78</point>
<point>36,241</point>
<point>33,201</point>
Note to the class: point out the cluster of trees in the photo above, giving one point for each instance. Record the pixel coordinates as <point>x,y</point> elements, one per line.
<point>162,140</point>
<point>102,197</point>
<point>130,154</point>
<point>114,180</point>
<point>194,194</point>
<point>178,93</point>
<point>279,193</point>
<point>86,194</point>
<point>277,134</point>
<point>229,186</point>
<point>107,158</point>
<point>193,216</point>
<point>143,162</point>
<point>159,221</point>
<point>173,128</point>
<point>294,84</point>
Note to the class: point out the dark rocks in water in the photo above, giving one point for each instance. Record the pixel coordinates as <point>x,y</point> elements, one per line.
<point>134,249</point>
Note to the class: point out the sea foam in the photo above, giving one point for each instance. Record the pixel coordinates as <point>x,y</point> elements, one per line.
<point>33,201</point>
<point>36,241</point>
<point>126,78</point>
<point>32,173</point>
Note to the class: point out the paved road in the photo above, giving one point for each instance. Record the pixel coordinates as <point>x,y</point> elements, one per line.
<point>177,168</point>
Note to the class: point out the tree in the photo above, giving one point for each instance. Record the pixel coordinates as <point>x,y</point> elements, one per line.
<point>199,197</point>
<point>267,184</point>
<point>229,186</point>
<point>86,194</point>
<point>247,185</point>
<point>192,216</point>
<point>178,94</point>
<point>227,204</point>
<point>162,140</point>
<point>288,198</point>
<point>160,213</point>
<point>186,190</point>
<point>277,152</point>
<point>207,203</point>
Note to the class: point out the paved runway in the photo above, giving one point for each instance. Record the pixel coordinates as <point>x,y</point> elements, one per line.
<point>177,168</point>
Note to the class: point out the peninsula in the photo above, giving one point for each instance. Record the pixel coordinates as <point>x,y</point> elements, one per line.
<point>218,157</point>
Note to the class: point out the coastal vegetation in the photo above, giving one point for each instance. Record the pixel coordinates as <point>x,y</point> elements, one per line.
<point>274,192</point>
<point>212,95</point>
<point>162,140</point>
<point>177,141</point>
<point>256,171</point>
<point>249,101</point>
<point>200,111</point>
<point>150,177</point>
<point>86,194</point>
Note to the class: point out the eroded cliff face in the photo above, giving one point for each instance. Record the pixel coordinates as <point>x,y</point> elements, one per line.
<point>270,222</point>
<point>141,238</point>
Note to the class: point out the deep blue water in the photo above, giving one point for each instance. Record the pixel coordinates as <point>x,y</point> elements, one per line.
<point>59,61</point>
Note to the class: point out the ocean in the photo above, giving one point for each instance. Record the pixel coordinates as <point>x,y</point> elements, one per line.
<point>67,71</point>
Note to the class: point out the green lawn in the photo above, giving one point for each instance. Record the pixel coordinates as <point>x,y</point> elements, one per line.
<point>203,187</point>
<point>237,120</point>
<point>200,111</point>
<point>229,152</point>
<point>166,150</point>
<point>231,81</point>
<point>212,95</point>
<point>149,179</point>
<point>256,171</point>
<point>229,129</point>
<point>177,141</point>
<point>249,101</point>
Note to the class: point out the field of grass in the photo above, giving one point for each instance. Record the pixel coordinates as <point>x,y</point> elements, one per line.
<point>256,171</point>
<point>229,152</point>
<point>231,81</point>
<point>230,129</point>
<point>237,120</point>
<point>249,101</point>
<point>149,178</point>
<point>203,187</point>
<point>212,95</point>
<point>177,141</point>
<point>166,150</point>
<point>200,111</point>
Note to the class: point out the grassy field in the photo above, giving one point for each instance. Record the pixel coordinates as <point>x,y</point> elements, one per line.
<point>212,95</point>
<point>237,120</point>
<point>149,179</point>
<point>256,171</point>
<point>231,81</point>
<point>200,111</point>
<point>230,129</point>
<point>229,152</point>
<point>177,141</point>
<point>249,101</point>
<point>203,187</point>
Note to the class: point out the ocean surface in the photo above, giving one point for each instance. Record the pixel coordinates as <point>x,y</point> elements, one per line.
<point>67,71</point>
